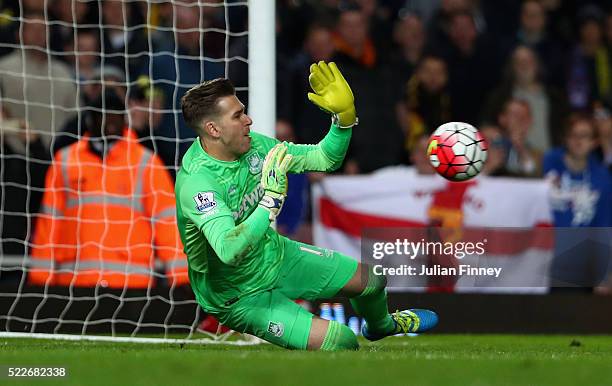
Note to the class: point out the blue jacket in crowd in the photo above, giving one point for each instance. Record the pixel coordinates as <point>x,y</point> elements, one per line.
<point>581,199</point>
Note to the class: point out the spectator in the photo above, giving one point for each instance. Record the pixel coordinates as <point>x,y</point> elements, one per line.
<point>603,124</point>
<point>354,45</point>
<point>292,21</point>
<point>425,9</point>
<point>427,103</point>
<point>159,17</point>
<point>473,71</point>
<point>533,33</point>
<point>517,121</point>
<point>125,42</point>
<point>145,104</point>
<point>238,70</point>
<point>310,126</point>
<point>590,64</point>
<point>378,141</point>
<point>409,35</point>
<point>24,162</point>
<point>582,187</point>
<point>357,58</point>
<point>38,88</point>
<point>193,67</point>
<point>215,23</point>
<point>439,22</point>
<point>548,106</point>
<point>581,195</point>
<point>108,208</point>
<point>561,17</point>
<point>85,56</point>
<point>102,79</point>
<point>378,16</point>
<point>497,154</point>
<point>69,16</point>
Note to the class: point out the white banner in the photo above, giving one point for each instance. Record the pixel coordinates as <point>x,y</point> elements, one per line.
<point>399,197</point>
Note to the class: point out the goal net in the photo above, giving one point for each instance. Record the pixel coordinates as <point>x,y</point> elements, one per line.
<point>89,246</point>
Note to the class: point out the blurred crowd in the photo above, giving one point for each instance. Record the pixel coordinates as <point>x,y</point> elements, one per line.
<point>534,75</point>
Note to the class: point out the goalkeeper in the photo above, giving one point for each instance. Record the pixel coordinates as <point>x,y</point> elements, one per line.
<point>231,186</point>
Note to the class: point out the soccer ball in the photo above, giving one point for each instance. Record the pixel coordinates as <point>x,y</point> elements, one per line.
<point>457,151</point>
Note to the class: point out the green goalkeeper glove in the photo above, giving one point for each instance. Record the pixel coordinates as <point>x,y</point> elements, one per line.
<point>332,93</point>
<point>274,179</point>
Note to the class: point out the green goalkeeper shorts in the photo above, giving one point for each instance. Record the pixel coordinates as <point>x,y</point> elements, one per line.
<point>308,273</point>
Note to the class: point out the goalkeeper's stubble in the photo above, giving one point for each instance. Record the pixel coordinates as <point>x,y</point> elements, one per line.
<point>230,129</point>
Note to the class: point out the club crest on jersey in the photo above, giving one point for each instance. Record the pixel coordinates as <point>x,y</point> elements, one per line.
<point>205,201</point>
<point>255,163</point>
<point>276,329</point>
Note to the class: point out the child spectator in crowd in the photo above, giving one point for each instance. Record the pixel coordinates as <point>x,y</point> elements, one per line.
<point>581,195</point>
<point>581,184</point>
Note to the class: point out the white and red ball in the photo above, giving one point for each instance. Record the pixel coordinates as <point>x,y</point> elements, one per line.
<point>457,151</point>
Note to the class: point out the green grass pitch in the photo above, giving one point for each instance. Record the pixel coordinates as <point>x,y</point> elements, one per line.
<point>424,360</point>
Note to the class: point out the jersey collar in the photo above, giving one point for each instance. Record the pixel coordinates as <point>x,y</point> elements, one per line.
<point>211,158</point>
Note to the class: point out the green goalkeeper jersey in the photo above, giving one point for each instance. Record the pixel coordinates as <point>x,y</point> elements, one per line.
<point>231,249</point>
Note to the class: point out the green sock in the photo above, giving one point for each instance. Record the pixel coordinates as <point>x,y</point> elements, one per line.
<point>372,306</point>
<point>339,337</point>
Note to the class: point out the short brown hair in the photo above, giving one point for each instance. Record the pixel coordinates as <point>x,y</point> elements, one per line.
<point>522,102</point>
<point>576,118</point>
<point>201,101</point>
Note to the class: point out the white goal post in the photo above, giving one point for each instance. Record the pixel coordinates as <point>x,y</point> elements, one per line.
<point>262,65</point>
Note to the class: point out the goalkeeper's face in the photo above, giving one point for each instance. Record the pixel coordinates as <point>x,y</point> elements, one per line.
<point>233,126</point>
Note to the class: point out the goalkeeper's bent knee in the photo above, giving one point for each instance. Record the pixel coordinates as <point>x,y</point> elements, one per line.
<point>339,337</point>
<point>375,283</point>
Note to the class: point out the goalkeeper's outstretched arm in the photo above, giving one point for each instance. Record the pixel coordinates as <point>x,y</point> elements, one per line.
<point>332,94</point>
